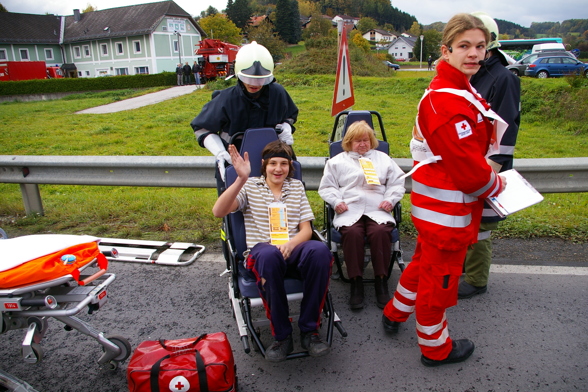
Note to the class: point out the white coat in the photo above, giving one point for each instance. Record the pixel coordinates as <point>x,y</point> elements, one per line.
<point>344,181</point>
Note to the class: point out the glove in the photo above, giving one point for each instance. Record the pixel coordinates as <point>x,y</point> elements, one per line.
<point>286,134</point>
<point>215,145</point>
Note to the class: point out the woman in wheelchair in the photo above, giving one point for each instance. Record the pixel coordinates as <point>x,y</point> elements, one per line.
<point>362,185</point>
<point>278,219</point>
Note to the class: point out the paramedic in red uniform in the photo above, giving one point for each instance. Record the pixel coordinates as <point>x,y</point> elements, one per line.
<point>453,130</point>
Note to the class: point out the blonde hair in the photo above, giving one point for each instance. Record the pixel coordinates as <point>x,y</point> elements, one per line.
<point>460,23</point>
<point>356,130</point>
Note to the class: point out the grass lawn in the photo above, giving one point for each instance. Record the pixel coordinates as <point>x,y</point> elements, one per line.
<point>548,130</point>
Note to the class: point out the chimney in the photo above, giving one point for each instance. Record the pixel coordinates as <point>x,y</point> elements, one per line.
<point>77,15</point>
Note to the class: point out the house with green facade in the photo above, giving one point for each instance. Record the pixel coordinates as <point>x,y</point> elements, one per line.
<point>139,39</point>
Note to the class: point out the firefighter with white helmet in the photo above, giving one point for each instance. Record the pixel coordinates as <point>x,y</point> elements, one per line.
<point>257,101</point>
<point>502,90</point>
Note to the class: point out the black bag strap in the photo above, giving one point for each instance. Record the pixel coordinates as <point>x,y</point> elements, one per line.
<point>180,348</point>
<point>202,379</point>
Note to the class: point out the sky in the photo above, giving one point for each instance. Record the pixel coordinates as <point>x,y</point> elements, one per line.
<point>522,12</point>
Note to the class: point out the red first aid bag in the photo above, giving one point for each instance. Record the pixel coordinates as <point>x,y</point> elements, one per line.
<point>198,364</point>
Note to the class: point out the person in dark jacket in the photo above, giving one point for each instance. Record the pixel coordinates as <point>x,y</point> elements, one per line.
<point>196,68</point>
<point>257,101</point>
<point>187,70</point>
<point>502,90</point>
<point>179,74</point>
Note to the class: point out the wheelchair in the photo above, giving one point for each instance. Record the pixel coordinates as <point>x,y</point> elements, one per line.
<point>342,122</point>
<point>243,292</point>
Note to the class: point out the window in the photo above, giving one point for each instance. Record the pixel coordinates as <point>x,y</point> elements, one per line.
<point>141,70</point>
<point>137,46</point>
<point>566,60</point>
<point>87,51</point>
<point>3,55</point>
<point>104,49</point>
<point>87,73</point>
<point>176,47</point>
<point>121,71</point>
<point>119,48</point>
<point>48,54</point>
<point>24,54</point>
<point>77,53</point>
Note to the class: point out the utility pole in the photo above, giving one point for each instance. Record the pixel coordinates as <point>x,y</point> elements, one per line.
<point>421,62</point>
<point>179,46</point>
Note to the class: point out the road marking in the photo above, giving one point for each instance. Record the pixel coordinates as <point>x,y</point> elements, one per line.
<point>538,270</point>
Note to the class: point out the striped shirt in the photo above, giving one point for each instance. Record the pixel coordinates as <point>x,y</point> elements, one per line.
<point>254,199</point>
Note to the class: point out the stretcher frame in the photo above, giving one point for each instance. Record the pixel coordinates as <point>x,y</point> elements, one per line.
<point>151,252</point>
<point>29,307</point>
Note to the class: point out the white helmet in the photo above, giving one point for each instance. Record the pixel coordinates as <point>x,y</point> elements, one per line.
<point>491,25</point>
<point>254,65</point>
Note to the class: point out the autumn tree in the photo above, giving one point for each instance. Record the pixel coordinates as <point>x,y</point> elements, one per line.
<point>219,27</point>
<point>366,24</point>
<point>264,34</point>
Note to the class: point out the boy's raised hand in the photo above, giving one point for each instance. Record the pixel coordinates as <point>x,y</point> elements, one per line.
<point>241,164</point>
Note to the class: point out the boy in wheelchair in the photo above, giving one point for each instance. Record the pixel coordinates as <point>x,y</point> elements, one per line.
<point>278,219</point>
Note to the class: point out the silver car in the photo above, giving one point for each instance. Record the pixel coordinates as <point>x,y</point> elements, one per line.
<point>519,67</point>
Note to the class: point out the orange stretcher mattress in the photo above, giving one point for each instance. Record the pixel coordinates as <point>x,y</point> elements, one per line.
<point>34,259</point>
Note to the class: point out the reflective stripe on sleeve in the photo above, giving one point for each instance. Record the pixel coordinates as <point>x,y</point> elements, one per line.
<point>485,187</point>
<point>441,219</point>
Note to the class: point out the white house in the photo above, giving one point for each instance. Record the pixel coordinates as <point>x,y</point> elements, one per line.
<point>377,35</point>
<point>402,47</point>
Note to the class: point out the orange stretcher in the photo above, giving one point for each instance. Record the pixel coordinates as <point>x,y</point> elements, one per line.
<point>52,275</point>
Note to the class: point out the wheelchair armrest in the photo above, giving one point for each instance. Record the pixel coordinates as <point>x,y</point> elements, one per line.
<point>397,213</point>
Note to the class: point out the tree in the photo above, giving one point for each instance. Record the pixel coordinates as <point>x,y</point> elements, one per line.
<point>288,21</point>
<point>209,12</point>
<point>2,8</point>
<point>239,12</point>
<point>219,27</point>
<point>415,29</point>
<point>366,24</point>
<point>318,27</point>
<point>89,8</point>
<point>265,35</point>
<point>359,41</point>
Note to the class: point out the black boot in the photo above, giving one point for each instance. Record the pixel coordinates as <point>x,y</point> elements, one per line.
<point>356,297</point>
<point>382,294</point>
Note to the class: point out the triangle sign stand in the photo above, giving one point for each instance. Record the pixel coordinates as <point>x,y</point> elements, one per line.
<point>343,94</point>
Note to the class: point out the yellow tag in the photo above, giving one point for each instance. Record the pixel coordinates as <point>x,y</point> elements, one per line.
<point>278,223</point>
<point>369,172</point>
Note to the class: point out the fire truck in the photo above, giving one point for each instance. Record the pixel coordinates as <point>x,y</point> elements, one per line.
<point>26,70</point>
<point>218,58</point>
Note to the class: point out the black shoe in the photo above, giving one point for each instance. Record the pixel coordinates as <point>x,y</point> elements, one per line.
<point>382,294</point>
<point>466,290</point>
<point>312,342</point>
<point>389,325</point>
<point>356,296</point>
<point>460,351</point>
<point>279,350</point>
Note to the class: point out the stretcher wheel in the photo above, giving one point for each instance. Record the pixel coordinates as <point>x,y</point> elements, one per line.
<point>125,350</point>
<point>37,352</point>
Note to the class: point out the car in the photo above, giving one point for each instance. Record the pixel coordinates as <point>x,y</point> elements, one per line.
<point>395,67</point>
<point>519,67</point>
<point>545,67</point>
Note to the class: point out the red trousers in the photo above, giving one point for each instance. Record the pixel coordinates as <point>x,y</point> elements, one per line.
<point>427,287</point>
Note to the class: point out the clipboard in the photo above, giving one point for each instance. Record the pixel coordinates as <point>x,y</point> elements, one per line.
<point>518,195</point>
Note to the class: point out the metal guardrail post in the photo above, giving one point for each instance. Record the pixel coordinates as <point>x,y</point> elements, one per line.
<point>32,199</point>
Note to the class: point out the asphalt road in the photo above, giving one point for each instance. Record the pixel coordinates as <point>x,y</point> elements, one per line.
<point>530,331</point>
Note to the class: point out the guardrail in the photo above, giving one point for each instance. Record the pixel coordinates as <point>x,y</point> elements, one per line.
<point>553,175</point>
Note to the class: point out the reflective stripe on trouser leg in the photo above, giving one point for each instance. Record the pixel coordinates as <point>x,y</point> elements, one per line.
<point>403,302</point>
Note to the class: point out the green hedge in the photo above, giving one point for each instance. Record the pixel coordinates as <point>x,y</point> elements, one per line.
<point>48,86</point>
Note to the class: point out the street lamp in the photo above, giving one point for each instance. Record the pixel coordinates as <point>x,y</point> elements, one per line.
<point>421,62</point>
<point>179,46</point>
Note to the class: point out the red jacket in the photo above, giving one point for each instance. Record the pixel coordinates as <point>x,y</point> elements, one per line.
<point>448,196</point>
